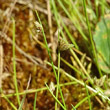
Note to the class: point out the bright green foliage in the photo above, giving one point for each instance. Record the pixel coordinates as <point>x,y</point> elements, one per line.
<point>102,42</point>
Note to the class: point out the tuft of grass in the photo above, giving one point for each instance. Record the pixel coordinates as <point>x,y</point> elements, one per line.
<point>92,42</point>
<point>74,21</point>
<point>58,19</point>
<point>96,91</point>
<point>56,76</point>
<point>81,18</point>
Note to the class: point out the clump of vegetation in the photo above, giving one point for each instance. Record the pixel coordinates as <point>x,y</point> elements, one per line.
<point>54,54</point>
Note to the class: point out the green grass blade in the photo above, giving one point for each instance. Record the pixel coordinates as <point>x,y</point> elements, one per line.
<point>14,63</point>
<point>22,102</point>
<point>103,7</point>
<point>38,90</point>
<point>35,101</point>
<point>12,105</point>
<point>58,87</point>
<point>72,67</point>
<point>83,100</point>
<point>46,45</point>
<point>74,10</point>
<point>89,100</point>
<point>73,107</point>
<point>55,97</point>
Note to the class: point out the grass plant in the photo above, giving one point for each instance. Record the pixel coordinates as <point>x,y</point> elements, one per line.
<point>84,23</point>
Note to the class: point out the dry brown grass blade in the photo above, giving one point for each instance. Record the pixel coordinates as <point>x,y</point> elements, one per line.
<point>1,64</point>
<point>50,31</point>
<point>33,6</point>
<point>7,23</point>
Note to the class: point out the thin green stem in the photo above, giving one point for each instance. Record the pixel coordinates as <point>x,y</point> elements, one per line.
<point>73,108</point>
<point>47,45</point>
<point>89,100</point>
<point>59,77</point>
<point>35,101</point>
<point>83,100</point>
<point>96,8</point>
<point>12,105</point>
<point>6,98</point>
<point>55,97</point>
<point>103,7</point>
<point>14,63</point>
<point>80,64</point>
<point>72,67</point>
<point>38,90</point>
